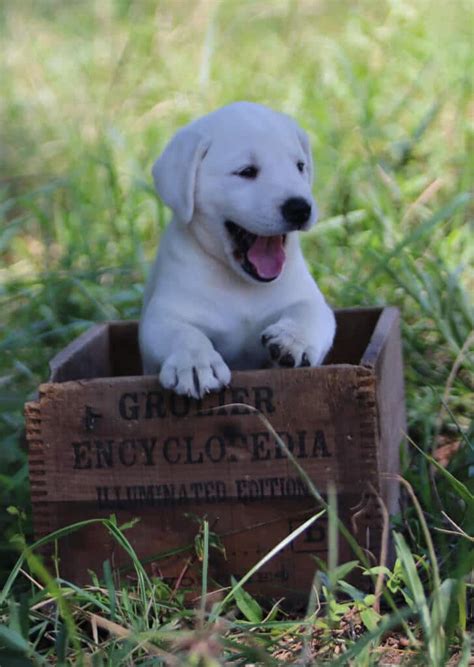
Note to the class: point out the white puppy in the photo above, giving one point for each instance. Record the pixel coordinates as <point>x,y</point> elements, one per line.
<point>229,288</point>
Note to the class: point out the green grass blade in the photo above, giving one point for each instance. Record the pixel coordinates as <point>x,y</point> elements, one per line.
<point>422,230</point>
<point>205,567</point>
<point>51,537</point>
<point>109,582</point>
<point>461,489</point>
<point>246,603</point>
<point>413,582</point>
<point>14,640</point>
<point>271,554</point>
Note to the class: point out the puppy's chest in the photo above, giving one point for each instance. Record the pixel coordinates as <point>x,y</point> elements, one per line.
<point>240,344</point>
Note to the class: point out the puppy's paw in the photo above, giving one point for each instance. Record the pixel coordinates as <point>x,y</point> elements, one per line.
<point>194,374</point>
<point>288,347</point>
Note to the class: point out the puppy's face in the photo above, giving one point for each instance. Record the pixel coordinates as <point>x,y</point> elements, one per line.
<point>252,187</point>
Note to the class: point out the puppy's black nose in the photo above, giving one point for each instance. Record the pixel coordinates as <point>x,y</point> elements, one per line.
<point>296,212</point>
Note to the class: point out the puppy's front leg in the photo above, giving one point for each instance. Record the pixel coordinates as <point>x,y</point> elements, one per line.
<point>302,336</point>
<point>185,358</point>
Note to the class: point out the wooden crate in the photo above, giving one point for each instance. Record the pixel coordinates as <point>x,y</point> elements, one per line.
<point>105,440</point>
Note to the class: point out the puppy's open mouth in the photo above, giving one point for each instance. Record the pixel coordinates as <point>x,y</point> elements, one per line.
<point>262,257</point>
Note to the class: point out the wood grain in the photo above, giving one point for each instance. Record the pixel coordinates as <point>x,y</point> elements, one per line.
<point>104,439</point>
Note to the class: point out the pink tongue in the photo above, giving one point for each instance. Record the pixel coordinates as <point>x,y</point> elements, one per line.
<point>267,256</point>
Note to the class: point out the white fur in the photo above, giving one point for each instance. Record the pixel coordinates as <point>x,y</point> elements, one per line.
<point>202,314</point>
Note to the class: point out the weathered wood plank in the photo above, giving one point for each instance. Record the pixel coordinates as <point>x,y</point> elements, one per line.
<point>104,440</point>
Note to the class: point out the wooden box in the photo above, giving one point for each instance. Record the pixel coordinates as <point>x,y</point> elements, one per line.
<point>104,440</point>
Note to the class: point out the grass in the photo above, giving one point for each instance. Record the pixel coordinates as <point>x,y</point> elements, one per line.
<point>91,92</point>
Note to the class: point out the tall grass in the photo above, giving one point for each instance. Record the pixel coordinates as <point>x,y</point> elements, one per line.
<point>91,91</point>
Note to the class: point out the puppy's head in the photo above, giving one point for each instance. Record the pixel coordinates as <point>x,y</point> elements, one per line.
<point>241,179</point>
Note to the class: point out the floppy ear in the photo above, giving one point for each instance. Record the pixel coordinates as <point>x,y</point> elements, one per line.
<point>175,171</point>
<point>304,141</point>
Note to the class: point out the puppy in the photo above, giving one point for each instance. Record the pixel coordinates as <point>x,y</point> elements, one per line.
<point>229,288</point>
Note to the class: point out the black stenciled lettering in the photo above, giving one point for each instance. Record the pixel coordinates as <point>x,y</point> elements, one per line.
<point>282,574</point>
<point>220,490</point>
<point>254,489</point>
<point>104,453</point>
<point>290,487</point>
<point>159,495</point>
<point>215,448</point>
<point>301,445</point>
<point>263,399</point>
<point>288,440</point>
<point>196,488</point>
<point>250,489</point>
<point>146,495</point>
<point>210,398</point>
<point>91,417</point>
<point>266,576</point>
<point>270,487</point>
<point>189,452</point>
<point>148,447</point>
<point>315,533</point>
<point>127,453</point>
<point>155,405</point>
<point>82,455</point>
<point>259,441</point>
<point>272,482</point>
<point>232,436</point>
<point>238,395</point>
<point>320,449</point>
<point>102,496</point>
<point>128,406</point>
<point>213,410</point>
<point>210,491</point>
<point>166,491</point>
<point>200,412</point>
<point>179,405</point>
<point>109,497</point>
<point>222,400</point>
<point>171,448</point>
<point>185,582</point>
<point>301,488</point>
<point>241,486</point>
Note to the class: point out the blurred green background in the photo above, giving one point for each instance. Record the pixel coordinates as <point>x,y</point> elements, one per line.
<point>92,90</point>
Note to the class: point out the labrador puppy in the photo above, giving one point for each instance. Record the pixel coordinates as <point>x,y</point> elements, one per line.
<point>229,288</point>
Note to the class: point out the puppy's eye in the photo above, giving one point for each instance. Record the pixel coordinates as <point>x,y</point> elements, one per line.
<point>300,166</point>
<point>249,172</point>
